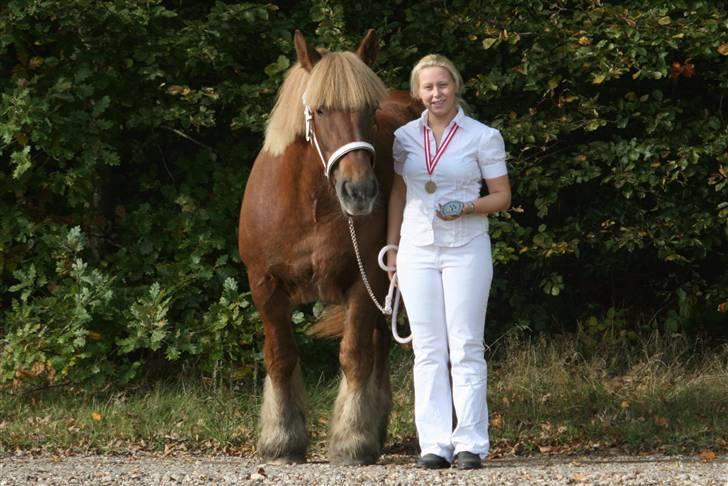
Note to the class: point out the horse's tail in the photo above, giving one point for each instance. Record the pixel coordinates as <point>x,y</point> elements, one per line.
<point>331,324</point>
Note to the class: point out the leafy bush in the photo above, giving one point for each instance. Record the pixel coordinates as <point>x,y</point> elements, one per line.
<point>615,122</point>
<point>127,130</point>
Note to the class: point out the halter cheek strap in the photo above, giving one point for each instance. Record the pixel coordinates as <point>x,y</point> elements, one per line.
<point>340,152</point>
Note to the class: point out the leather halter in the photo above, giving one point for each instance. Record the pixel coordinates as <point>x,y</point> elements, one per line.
<point>340,152</point>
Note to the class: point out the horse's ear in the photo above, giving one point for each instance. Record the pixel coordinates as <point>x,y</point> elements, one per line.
<point>368,48</point>
<point>307,55</point>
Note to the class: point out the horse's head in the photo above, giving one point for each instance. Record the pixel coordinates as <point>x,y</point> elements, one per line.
<point>340,101</point>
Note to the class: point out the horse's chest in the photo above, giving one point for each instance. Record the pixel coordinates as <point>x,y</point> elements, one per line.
<point>332,267</point>
<point>316,269</point>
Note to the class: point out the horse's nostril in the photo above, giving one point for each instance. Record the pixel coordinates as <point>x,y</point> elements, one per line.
<point>373,189</point>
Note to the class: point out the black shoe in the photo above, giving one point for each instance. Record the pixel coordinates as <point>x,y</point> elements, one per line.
<point>467,460</point>
<point>432,461</point>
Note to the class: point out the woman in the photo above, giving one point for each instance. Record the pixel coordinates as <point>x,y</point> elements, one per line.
<point>444,266</point>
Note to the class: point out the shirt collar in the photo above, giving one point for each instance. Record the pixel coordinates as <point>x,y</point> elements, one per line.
<point>458,119</point>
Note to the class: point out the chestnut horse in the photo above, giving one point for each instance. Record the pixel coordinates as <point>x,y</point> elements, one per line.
<point>316,170</point>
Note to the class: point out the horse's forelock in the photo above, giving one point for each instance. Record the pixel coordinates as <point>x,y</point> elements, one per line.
<point>339,81</point>
<point>343,82</point>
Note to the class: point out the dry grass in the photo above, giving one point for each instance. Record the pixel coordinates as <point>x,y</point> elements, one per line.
<point>544,397</point>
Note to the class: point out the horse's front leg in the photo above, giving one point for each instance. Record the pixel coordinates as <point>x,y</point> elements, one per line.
<point>362,407</point>
<point>283,437</point>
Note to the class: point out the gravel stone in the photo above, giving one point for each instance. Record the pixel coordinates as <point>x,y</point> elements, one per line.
<point>146,469</point>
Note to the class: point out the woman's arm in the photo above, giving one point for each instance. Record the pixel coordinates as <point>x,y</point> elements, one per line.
<point>498,198</point>
<point>395,213</point>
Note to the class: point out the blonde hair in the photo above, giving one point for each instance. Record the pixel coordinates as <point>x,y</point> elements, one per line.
<point>436,60</point>
<point>339,81</point>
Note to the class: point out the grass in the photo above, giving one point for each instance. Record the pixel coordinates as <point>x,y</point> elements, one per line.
<point>544,397</point>
<point>547,397</point>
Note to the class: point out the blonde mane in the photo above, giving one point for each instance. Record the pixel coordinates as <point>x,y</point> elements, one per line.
<point>340,81</point>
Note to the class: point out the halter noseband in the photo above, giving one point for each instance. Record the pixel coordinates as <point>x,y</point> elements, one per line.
<point>340,152</point>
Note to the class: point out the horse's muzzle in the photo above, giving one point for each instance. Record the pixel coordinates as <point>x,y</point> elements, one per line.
<point>357,198</point>
<point>360,196</point>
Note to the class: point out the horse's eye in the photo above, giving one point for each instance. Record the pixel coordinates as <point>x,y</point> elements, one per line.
<point>320,111</point>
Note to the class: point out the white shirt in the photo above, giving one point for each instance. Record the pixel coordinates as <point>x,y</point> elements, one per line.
<point>476,152</point>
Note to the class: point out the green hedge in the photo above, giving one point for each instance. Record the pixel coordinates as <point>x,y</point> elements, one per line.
<point>127,129</point>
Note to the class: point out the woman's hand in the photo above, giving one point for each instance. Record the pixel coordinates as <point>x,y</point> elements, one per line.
<point>453,210</point>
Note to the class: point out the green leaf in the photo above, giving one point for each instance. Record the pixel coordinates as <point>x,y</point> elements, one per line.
<point>22,162</point>
<point>489,42</point>
<point>281,64</point>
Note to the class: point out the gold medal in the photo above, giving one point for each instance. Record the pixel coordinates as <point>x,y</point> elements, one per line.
<point>430,161</point>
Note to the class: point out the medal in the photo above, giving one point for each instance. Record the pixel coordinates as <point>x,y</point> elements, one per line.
<point>430,161</point>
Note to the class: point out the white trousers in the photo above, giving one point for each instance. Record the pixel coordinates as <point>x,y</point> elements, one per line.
<point>445,291</point>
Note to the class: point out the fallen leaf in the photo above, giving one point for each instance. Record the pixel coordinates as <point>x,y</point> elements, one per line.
<point>496,421</point>
<point>259,474</point>
<point>661,421</point>
<point>707,455</point>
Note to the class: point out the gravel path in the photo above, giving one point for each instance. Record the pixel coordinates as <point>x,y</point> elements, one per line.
<point>392,469</point>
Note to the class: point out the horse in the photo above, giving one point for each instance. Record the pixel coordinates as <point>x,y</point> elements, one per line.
<point>326,160</point>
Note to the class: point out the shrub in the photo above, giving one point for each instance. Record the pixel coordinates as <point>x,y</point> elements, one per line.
<point>128,129</point>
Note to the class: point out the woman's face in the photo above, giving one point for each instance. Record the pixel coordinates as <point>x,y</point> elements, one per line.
<point>437,91</point>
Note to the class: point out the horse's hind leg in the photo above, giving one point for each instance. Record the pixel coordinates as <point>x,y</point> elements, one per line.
<point>362,406</point>
<point>283,437</point>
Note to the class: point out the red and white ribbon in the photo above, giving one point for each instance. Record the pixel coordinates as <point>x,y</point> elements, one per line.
<point>430,161</point>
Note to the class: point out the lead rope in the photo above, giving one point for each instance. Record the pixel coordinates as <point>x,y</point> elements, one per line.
<point>387,309</point>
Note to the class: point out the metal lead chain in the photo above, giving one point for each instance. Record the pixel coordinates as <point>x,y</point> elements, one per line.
<point>354,241</point>
<point>390,307</point>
